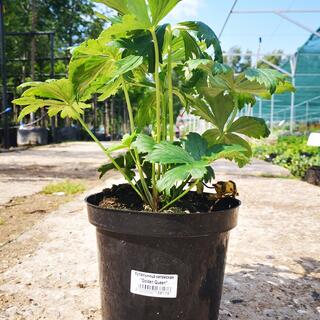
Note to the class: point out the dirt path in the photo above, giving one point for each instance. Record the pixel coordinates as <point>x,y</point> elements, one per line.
<point>273,269</point>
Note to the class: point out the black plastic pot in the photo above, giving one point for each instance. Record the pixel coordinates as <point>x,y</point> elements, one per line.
<point>161,266</point>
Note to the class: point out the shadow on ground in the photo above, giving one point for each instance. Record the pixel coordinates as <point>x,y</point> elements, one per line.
<point>265,291</point>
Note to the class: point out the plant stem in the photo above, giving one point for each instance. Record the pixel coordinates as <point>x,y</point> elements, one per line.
<point>157,80</point>
<point>109,156</point>
<point>129,106</point>
<point>136,157</point>
<point>179,196</point>
<point>170,91</point>
<point>158,113</point>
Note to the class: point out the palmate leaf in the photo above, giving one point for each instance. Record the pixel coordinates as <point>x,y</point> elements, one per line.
<point>270,78</point>
<point>167,153</point>
<point>94,66</point>
<point>146,113</point>
<point>190,161</point>
<point>206,34</point>
<point>196,146</point>
<point>144,143</point>
<point>121,28</point>
<point>250,126</point>
<point>57,95</point>
<point>195,170</point>
<point>159,9</point>
<point>220,151</point>
<point>141,44</point>
<point>118,5</point>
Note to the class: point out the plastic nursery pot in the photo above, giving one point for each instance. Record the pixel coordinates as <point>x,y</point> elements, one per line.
<point>161,266</point>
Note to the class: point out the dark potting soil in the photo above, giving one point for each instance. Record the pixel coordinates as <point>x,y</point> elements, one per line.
<point>123,197</point>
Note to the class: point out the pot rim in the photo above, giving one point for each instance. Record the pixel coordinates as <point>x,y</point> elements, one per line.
<point>143,212</point>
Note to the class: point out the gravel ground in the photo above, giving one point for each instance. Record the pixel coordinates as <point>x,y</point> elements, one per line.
<point>273,268</point>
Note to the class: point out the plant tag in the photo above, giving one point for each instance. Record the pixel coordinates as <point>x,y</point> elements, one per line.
<point>153,284</point>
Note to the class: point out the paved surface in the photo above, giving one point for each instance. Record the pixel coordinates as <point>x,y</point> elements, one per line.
<point>273,269</point>
<point>26,172</point>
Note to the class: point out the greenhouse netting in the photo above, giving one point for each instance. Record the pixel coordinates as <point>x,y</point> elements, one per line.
<point>303,106</point>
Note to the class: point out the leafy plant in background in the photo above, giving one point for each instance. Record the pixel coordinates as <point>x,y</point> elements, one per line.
<point>290,152</point>
<point>169,62</point>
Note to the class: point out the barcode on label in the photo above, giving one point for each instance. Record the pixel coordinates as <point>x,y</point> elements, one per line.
<point>153,284</point>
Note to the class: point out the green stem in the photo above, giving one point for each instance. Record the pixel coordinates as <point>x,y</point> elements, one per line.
<point>170,88</point>
<point>158,112</point>
<point>136,158</point>
<point>157,81</point>
<point>179,196</point>
<point>95,139</point>
<point>129,106</point>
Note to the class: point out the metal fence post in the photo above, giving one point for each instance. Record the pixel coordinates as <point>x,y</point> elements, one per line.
<point>6,142</point>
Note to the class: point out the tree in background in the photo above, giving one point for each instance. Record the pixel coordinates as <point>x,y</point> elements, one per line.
<point>72,20</point>
<point>237,59</point>
<point>276,58</point>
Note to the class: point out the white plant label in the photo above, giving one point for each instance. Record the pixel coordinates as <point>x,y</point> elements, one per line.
<point>153,284</point>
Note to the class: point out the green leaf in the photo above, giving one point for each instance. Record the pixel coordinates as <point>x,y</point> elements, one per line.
<point>127,64</point>
<point>111,88</point>
<point>159,9</point>
<point>270,78</point>
<point>141,44</point>
<point>192,50</point>
<point>144,143</point>
<point>27,110</point>
<point>195,170</point>
<point>282,87</point>
<point>127,23</point>
<point>146,113</point>
<point>196,145</point>
<point>231,138</point>
<point>118,5</point>
<point>212,136</point>
<point>231,152</point>
<point>140,10</point>
<point>57,95</point>
<point>167,153</point>
<point>221,106</point>
<point>251,127</point>
<point>125,143</point>
<point>206,34</point>
<point>125,162</point>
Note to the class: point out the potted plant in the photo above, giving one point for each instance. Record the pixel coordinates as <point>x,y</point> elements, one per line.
<point>162,246</point>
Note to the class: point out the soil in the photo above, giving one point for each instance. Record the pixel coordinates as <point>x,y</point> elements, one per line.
<point>125,198</point>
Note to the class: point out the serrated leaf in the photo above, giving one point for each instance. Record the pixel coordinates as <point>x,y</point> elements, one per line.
<point>196,170</point>
<point>27,110</point>
<point>250,126</point>
<point>167,153</point>
<point>125,143</point>
<point>128,23</point>
<point>118,5</point>
<point>110,89</point>
<point>195,145</point>
<point>221,107</point>
<point>146,113</point>
<point>232,138</point>
<point>270,78</point>
<point>144,143</point>
<point>159,9</point>
<point>224,151</point>
<point>57,96</point>
<point>206,34</point>
<point>211,136</point>
<point>191,48</point>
